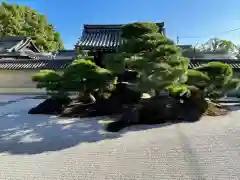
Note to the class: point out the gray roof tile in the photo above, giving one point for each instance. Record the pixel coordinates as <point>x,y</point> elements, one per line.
<point>194,63</point>
<point>101,39</point>
<point>34,64</point>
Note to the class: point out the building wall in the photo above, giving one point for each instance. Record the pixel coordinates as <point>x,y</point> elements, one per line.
<point>17,80</point>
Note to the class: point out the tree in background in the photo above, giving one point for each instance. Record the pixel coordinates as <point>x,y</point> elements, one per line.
<point>156,59</point>
<point>16,20</point>
<point>215,45</point>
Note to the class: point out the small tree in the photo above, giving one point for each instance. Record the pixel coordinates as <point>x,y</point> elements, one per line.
<point>155,58</point>
<point>51,81</point>
<point>213,80</point>
<point>220,76</point>
<point>85,77</point>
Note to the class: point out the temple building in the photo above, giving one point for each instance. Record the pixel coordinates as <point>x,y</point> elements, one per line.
<point>99,40</point>
<point>20,59</point>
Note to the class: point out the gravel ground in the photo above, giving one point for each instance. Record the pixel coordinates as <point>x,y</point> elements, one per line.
<point>49,148</point>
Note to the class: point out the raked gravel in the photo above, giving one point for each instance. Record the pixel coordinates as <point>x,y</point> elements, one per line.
<point>48,148</point>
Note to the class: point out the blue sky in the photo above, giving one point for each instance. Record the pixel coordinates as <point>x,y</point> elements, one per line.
<point>202,19</point>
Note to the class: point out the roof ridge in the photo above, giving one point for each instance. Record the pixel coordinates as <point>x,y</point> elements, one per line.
<point>109,26</point>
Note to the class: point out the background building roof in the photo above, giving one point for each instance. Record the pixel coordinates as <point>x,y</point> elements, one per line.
<point>16,43</point>
<point>21,47</point>
<point>25,64</point>
<point>235,64</point>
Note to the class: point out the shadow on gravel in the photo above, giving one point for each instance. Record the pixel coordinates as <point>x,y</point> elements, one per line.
<point>32,134</point>
<point>23,133</point>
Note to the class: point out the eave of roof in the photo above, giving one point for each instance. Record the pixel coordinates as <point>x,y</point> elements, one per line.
<point>26,64</point>
<point>26,54</point>
<point>194,63</point>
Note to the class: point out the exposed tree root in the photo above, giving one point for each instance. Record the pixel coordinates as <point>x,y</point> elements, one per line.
<point>215,109</point>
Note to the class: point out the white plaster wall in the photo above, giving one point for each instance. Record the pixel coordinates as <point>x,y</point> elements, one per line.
<point>17,78</point>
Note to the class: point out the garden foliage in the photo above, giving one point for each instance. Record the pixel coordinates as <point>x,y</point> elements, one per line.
<point>82,76</point>
<point>156,59</point>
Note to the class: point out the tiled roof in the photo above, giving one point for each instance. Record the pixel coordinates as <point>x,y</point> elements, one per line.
<point>16,43</point>
<point>26,55</point>
<point>100,37</point>
<point>235,64</point>
<point>34,64</point>
<point>21,47</point>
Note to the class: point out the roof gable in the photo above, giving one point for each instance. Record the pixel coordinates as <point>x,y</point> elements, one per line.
<point>16,43</point>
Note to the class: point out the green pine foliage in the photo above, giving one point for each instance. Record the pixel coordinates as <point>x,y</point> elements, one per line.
<point>82,76</point>
<point>139,28</point>
<point>157,59</point>
<point>178,90</point>
<point>51,81</point>
<point>85,75</point>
